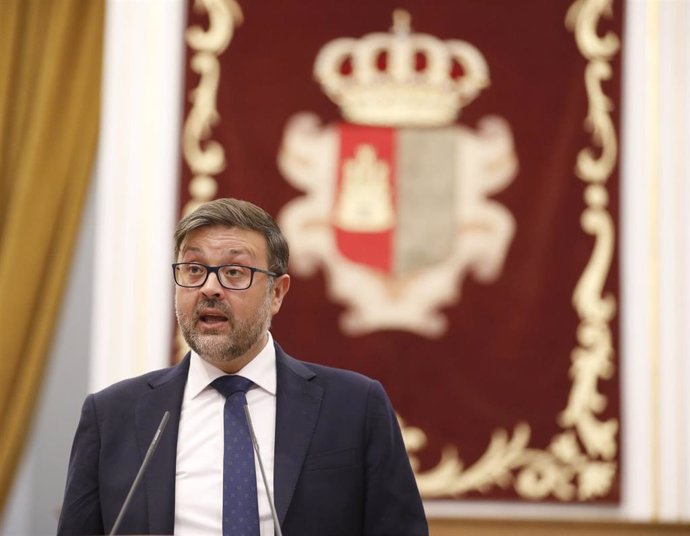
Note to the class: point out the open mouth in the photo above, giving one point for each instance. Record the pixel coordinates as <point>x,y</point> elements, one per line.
<point>212,319</point>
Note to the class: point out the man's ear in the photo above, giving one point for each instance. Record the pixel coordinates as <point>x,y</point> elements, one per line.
<point>281,285</point>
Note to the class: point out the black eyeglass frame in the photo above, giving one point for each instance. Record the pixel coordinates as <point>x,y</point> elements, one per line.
<point>214,270</point>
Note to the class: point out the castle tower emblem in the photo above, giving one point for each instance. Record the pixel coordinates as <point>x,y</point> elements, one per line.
<point>396,203</point>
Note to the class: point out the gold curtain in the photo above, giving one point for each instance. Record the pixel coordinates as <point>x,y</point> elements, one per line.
<point>50,72</point>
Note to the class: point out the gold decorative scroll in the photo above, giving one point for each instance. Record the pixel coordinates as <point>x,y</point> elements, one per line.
<point>204,156</point>
<point>579,462</point>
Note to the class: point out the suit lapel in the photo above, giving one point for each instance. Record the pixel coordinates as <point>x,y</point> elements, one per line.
<point>297,408</point>
<point>159,479</point>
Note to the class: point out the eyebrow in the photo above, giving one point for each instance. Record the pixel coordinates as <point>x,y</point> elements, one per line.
<point>232,251</point>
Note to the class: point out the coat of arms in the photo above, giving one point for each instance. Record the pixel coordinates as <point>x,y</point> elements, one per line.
<point>396,205</point>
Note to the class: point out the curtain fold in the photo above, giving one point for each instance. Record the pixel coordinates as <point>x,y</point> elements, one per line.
<point>50,76</point>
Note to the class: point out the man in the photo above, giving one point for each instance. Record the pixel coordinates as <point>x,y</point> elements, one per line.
<point>328,438</point>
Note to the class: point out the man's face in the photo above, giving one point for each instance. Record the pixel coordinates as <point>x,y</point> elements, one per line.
<point>225,327</point>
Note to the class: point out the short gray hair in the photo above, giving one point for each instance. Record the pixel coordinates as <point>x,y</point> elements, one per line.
<point>241,214</point>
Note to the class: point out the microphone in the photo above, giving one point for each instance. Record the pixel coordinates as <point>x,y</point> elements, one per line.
<point>276,524</point>
<point>144,464</point>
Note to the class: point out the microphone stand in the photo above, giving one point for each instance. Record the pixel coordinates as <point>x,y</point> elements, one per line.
<point>144,464</point>
<point>274,515</point>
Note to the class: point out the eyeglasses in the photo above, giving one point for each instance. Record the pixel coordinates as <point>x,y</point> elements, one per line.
<point>230,276</point>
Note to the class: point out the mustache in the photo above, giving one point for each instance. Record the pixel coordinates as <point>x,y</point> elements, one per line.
<point>212,303</point>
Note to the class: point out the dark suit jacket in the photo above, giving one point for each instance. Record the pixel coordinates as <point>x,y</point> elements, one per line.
<point>340,463</point>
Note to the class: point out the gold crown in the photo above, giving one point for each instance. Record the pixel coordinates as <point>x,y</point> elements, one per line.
<point>400,78</point>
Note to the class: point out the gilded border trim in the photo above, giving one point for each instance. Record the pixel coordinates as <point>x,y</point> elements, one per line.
<point>579,463</point>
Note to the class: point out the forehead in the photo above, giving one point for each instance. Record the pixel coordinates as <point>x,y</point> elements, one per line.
<point>225,241</point>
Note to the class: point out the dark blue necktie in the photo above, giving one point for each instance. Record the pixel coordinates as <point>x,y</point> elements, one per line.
<point>240,509</point>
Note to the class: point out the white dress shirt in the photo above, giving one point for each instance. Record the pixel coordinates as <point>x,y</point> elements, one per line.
<point>199,473</point>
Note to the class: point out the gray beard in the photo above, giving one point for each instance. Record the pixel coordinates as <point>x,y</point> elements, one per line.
<point>220,348</point>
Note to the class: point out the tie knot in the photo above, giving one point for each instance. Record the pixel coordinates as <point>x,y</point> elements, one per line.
<point>228,385</point>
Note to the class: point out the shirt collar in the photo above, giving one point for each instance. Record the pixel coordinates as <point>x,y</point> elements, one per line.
<point>261,370</point>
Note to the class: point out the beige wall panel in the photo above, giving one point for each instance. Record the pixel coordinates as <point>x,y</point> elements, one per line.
<point>508,527</point>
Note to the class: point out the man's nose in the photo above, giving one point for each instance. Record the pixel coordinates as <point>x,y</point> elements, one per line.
<point>212,286</point>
